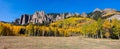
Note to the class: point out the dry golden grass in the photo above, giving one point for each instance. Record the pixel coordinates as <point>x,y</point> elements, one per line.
<point>16,42</point>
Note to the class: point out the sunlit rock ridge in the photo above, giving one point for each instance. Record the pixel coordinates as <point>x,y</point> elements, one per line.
<point>40,17</point>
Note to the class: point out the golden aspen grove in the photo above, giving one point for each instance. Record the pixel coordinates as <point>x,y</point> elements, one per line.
<point>73,26</point>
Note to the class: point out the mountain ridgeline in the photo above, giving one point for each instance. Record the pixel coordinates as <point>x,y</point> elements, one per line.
<point>41,18</point>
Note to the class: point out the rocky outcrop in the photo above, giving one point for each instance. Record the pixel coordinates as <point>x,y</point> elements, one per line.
<point>97,9</point>
<point>25,19</point>
<point>109,10</point>
<point>16,22</point>
<point>95,15</point>
<point>41,17</point>
<point>114,17</point>
<point>106,13</point>
<point>38,17</point>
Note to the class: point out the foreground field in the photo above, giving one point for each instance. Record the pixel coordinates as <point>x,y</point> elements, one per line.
<point>15,42</point>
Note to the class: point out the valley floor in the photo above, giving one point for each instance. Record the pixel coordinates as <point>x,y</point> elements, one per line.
<point>18,42</point>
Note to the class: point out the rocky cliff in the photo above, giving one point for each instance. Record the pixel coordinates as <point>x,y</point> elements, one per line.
<point>26,18</point>
<point>41,18</point>
<point>105,13</point>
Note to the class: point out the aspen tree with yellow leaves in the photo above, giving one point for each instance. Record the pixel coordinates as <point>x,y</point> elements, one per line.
<point>1,29</point>
<point>30,30</point>
<point>99,23</point>
<point>116,29</point>
<point>107,25</point>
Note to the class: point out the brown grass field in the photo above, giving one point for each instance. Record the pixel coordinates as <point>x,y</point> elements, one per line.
<point>18,42</point>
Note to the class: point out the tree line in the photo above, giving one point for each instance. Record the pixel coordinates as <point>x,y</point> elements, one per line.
<point>101,28</point>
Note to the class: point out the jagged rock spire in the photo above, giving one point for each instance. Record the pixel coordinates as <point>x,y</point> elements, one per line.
<point>97,9</point>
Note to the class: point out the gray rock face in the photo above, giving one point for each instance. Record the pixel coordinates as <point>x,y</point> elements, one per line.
<point>114,17</point>
<point>16,21</point>
<point>24,19</point>
<point>97,9</point>
<point>38,17</point>
<point>41,17</point>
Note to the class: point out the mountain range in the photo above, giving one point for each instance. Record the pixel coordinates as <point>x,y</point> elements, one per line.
<point>41,17</point>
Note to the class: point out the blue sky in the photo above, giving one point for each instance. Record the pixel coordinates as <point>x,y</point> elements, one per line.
<point>12,9</point>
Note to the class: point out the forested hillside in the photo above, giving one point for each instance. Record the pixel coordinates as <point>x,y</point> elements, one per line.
<point>73,26</point>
